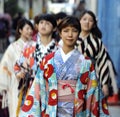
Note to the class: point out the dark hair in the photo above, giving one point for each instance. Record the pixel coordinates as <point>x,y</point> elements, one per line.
<point>21,23</point>
<point>60,15</point>
<point>48,17</point>
<point>69,21</point>
<point>36,19</point>
<point>95,30</point>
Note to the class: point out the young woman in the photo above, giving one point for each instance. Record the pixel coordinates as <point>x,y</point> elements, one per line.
<point>65,83</point>
<point>90,44</point>
<point>8,80</point>
<point>33,54</point>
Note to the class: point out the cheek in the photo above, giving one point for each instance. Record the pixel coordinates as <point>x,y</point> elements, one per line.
<point>76,36</point>
<point>91,25</point>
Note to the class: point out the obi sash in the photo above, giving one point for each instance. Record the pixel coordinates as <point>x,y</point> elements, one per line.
<point>66,90</point>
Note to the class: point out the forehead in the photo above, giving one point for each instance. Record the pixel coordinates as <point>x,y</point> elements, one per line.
<point>26,26</point>
<point>69,27</point>
<point>87,15</point>
<point>43,20</point>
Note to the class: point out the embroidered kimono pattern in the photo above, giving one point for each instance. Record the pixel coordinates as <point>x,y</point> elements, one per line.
<point>29,61</point>
<point>78,68</point>
<point>8,80</point>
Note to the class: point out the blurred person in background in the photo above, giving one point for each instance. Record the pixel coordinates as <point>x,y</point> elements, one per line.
<point>35,22</point>
<point>15,20</point>
<point>91,45</point>
<point>59,16</point>
<point>5,26</point>
<point>80,8</point>
<point>8,81</point>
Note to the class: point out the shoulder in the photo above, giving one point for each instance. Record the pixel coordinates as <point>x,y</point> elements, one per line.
<point>49,56</point>
<point>31,42</point>
<point>84,59</point>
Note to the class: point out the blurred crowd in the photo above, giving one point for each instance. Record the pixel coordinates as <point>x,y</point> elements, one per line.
<point>24,45</point>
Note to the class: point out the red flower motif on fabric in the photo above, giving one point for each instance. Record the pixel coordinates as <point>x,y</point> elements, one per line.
<point>16,67</point>
<point>78,105</point>
<point>45,60</point>
<point>104,106</point>
<point>28,51</point>
<point>43,114</point>
<point>42,64</point>
<point>84,77</point>
<point>92,67</point>
<point>81,94</point>
<point>53,97</point>
<point>28,103</point>
<point>31,62</point>
<point>96,109</point>
<point>92,104</point>
<point>48,72</point>
<point>88,58</point>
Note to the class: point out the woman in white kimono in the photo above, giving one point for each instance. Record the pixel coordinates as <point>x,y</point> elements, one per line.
<point>8,80</point>
<point>91,45</point>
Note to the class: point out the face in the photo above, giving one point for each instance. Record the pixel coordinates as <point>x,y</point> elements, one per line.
<point>69,36</point>
<point>45,27</point>
<point>26,32</point>
<point>86,22</point>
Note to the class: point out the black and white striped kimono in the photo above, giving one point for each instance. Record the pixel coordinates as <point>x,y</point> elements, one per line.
<point>94,48</point>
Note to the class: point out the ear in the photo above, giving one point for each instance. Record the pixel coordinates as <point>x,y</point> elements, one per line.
<point>20,31</point>
<point>59,34</point>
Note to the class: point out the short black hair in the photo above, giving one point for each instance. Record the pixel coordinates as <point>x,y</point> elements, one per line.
<point>60,15</point>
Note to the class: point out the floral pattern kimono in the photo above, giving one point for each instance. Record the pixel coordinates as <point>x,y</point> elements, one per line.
<point>50,72</point>
<point>8,80</point>
<point>29,61</point>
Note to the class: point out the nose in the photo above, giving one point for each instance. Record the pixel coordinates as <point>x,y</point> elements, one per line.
<point>30,31</point>
<point>87,21</point>
<point>70,33</point>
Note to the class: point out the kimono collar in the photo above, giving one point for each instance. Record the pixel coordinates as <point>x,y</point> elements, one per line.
<point>66,56</point>
<point>39,53</point>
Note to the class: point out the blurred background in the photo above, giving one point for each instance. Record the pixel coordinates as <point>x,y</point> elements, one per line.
<point>107,12</point>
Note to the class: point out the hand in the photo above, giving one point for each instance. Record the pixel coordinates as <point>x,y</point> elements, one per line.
<point>20,74</point>
<point>105,90</point>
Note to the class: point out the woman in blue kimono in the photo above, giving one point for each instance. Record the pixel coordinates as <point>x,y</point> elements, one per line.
<point>32,55</point>
<point>65,83</point>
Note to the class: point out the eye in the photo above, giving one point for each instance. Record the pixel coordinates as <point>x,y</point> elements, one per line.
<point>75,30</point>
<point>65,30</point>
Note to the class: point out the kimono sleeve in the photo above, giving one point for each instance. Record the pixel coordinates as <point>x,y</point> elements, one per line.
<point>37,76</point>
<point>95,102</point>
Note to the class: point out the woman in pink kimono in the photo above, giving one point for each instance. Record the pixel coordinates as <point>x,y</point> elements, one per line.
<point>65,83</point>
<point>8,80</point>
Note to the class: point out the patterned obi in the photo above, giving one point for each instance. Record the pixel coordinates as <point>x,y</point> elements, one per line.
<point>66,90</point>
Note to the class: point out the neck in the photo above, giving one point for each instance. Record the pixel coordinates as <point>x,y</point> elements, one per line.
<point>24,39</point>
<point>67,49</point>
<point>45,39</point>
<point>84,34</point>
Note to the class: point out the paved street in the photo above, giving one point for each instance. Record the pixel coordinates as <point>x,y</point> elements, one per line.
<point>114,111</point>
